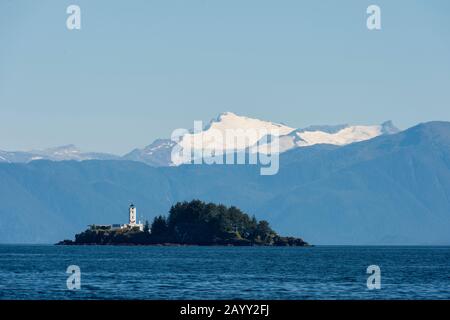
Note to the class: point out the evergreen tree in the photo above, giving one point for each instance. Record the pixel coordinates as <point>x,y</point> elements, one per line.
<point>146,227</point>
<point>194,222</point>
<point>159,226</point>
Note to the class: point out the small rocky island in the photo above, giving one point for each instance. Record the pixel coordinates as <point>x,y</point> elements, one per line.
<point>189,223</point>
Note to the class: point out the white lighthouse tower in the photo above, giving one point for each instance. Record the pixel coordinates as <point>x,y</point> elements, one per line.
<point>133,219</point>
<point>132,211</point>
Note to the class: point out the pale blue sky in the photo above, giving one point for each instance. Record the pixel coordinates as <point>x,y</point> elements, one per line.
<point>139,69</point>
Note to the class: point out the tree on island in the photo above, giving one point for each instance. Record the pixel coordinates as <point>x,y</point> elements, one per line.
<point>146,227</point>
<point>193,223</point>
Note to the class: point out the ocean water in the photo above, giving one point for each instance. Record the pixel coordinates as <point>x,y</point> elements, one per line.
<point>109,272</point>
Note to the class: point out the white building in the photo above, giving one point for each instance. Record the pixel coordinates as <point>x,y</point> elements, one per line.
<point>133,219</point>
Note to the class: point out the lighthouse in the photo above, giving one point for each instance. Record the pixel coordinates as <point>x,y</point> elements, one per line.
<point>132,211</point>
<point>133,223</point>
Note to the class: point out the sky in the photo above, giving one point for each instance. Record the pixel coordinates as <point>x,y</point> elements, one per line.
<point>137,70</point>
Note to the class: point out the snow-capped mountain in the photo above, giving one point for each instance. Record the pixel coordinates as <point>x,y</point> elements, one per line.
<point>157,154</point>
<point>71,152</point>
<point>68,152</point>
<point>330,194</point>
<point>212,138</point>
<point>339,135</point>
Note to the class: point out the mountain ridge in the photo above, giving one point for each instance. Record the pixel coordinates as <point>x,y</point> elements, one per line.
<point>159,152</point>
<point>392,189</point>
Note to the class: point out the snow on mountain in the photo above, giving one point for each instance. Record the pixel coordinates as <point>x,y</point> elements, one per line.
<point>339,135</point>
<point>209,137</point>
<point>342,137</point>
<point>67,152</point>
<point>393,189</point>
<point>255,129</point>
<point>212,140</point>
<point>230,120</point>
<point>156,154</point>
<point>16,157</point>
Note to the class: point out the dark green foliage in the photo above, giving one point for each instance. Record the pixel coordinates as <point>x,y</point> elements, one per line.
<point>159,226</point>
<point>197,222</point>
<point>194,223</point>
<point>146,227</point>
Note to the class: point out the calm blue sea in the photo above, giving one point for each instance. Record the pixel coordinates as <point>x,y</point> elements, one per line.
<point>108,272</point>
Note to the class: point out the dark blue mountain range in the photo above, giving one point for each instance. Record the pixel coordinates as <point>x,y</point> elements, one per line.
<point>393,189</point>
